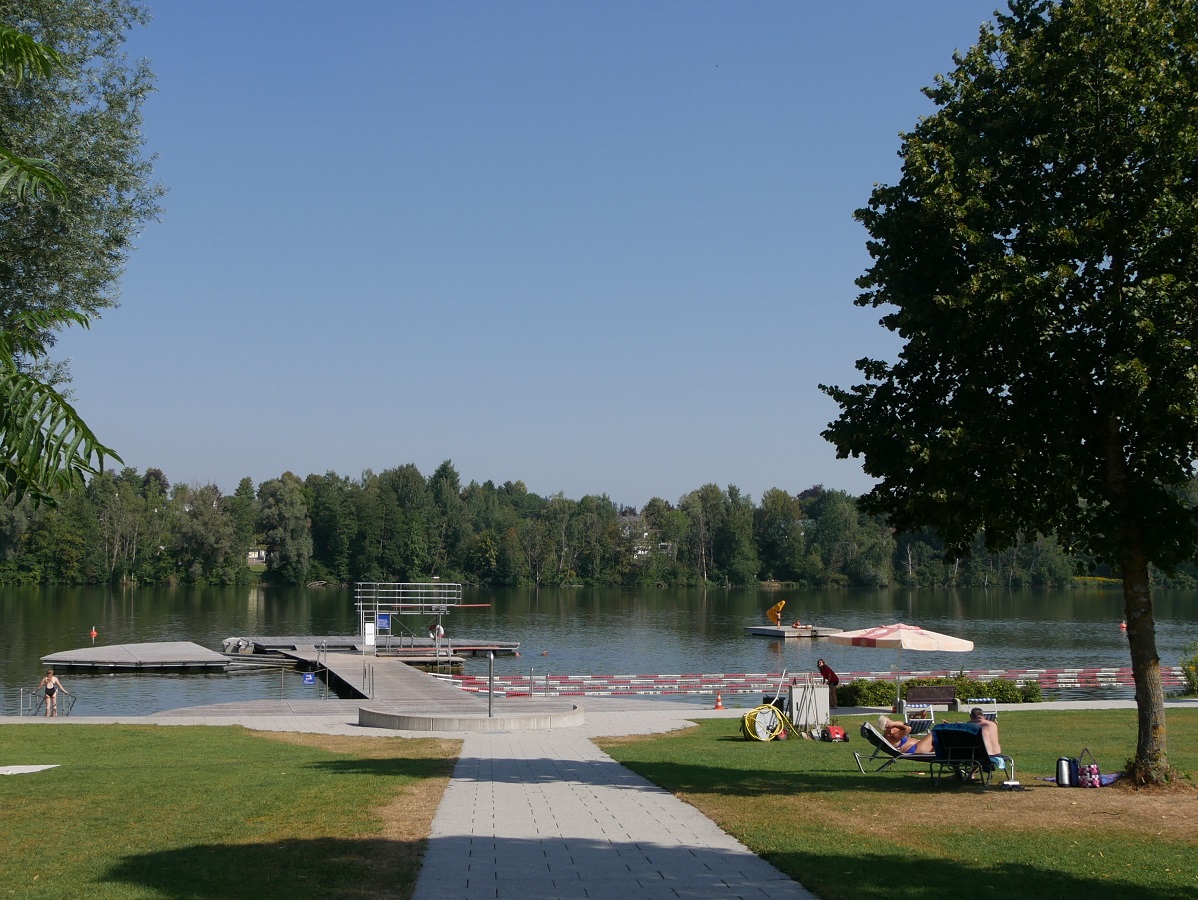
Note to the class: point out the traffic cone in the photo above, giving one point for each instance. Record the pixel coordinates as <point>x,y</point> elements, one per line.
<point>719,700</point>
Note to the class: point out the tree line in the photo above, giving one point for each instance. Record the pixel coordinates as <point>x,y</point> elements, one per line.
<point>399,525</point>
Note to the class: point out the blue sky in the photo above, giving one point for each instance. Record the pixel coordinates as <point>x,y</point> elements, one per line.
<point>601,247</point>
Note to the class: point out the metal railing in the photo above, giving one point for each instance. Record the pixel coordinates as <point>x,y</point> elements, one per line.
<point>33,702</point>
<point>407,598</point>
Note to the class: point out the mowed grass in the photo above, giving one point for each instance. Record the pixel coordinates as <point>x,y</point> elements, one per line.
<point>181,812</point>
<point>805,807</point>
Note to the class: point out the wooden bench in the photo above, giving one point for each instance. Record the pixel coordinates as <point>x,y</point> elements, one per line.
<point>929,695</point>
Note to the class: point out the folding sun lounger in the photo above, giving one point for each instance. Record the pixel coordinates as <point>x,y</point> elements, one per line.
<point>960,748</point>
<point>884,751</point>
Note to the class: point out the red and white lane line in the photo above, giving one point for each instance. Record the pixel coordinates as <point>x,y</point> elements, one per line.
<point>748,683</point>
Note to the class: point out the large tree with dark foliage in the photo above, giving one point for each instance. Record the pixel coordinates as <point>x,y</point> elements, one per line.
<point>1039,258</point>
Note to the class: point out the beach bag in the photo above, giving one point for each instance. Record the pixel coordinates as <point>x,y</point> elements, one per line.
<point>1088,774</point>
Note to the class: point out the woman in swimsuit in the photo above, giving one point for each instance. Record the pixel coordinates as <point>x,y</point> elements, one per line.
<point>899,737</point>
<point>52,686</point>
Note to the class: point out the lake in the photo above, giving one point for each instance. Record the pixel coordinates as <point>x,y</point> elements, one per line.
<point>569,631</point>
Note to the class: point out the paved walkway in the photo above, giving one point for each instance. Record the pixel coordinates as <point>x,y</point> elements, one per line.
<point>546,814</point>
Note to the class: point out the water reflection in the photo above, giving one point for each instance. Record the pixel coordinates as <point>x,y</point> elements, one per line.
<point>597,631</point>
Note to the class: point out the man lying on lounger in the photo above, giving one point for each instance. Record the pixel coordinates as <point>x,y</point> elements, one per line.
<point>898,735</point>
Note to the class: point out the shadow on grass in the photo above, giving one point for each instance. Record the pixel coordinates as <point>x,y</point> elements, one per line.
<point>323,867</point>
<point>902,876</point>
<point>357,868</point>
<point>390,767</point>
<point>701,779</point>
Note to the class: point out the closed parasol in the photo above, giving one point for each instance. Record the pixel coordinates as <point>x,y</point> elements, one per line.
<point>901,637</point>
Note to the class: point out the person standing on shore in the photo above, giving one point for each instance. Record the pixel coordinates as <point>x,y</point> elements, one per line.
<point>52,686</point>
<point>831,679</point>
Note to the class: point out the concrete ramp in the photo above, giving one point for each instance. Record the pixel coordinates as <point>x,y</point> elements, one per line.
<point>400,697</point>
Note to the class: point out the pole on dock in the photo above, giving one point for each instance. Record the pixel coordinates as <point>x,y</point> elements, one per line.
<point>490,683</point>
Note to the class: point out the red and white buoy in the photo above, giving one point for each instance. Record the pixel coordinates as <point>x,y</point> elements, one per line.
<point>94,634</point>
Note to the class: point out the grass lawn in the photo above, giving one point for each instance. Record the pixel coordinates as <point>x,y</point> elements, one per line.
<point>181,812</point>
<point>805,807</point>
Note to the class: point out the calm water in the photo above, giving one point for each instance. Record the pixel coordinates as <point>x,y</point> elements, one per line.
<point>584,631</point>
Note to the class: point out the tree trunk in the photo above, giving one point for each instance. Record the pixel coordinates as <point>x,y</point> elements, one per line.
<point>1151,764</point>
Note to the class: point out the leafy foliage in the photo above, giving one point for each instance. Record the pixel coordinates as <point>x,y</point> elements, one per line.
<point>45,447</point>
<point>388,527</point>
<point>866,692</point>
<point>81,114</point>
<point>1189,667</point>
<point>1039,258</point>
<point>21,55</point>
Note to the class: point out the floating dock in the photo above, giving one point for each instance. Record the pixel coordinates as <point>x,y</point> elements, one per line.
<point>791,631</point>
<point>140,657</point>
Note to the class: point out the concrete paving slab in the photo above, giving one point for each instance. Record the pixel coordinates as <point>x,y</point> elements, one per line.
<point>521,802</point>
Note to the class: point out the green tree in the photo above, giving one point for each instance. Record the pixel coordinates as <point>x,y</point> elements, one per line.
<point>59,261</point>
<point>283,521</point>
<point>445,488</point>
<point>706,508</point>
<point>779,535</point>
<point>120,512</point>
<point>1039,257</point>
<point>205,548</point>
<point>734,547</point>
<point>84,116</point>
<point>242,508</point>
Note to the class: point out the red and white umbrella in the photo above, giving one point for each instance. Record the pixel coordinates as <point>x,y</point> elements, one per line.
<point>901,637</point>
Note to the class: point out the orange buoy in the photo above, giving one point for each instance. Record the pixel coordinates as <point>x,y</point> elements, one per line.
<point>94,633</point>
<point>1123,626</point>
<point>719,700</point>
